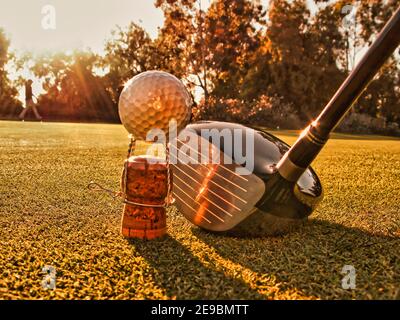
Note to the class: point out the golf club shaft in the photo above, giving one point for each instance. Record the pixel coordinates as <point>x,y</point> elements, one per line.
<point>314,137</point>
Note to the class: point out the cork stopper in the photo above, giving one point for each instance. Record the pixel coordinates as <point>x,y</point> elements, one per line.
<point>147,183</point>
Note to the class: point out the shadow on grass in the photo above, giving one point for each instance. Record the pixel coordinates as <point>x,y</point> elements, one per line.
<point>184,276</point>
<point>311,259</point>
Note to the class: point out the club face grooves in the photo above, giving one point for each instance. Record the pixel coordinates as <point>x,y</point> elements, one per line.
<point>210,195</point>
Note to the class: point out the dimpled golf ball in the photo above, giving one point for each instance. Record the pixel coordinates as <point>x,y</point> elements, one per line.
<point>151,100</point>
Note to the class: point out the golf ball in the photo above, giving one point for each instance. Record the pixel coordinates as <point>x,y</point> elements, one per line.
<point>151,100</point>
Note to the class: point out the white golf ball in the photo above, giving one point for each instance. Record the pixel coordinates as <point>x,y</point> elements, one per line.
<point>151,100</point>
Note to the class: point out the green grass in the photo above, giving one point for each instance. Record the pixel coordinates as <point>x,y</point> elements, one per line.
<point>48,217</point>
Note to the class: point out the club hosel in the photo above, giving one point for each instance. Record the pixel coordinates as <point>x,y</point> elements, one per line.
<point>300,156</point>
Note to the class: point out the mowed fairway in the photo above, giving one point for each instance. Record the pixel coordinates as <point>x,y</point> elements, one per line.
<point>48,217</point>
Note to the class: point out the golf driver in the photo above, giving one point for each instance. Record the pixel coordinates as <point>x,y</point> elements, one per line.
<point>280,190</point>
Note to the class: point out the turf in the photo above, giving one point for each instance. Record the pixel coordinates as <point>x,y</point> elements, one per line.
<point>48,217</point>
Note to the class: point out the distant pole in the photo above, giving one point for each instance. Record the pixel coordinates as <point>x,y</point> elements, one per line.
<point>203,58</point>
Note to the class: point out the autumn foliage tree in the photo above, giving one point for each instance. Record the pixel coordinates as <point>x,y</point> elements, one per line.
<point>233,34</point>
<point>212,48</point>
<point>304,53</point>
<point>382,98</point>
<point>128,52</point>
<point>9,105</point>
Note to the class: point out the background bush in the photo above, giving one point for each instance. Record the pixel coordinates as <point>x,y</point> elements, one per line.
<point>365,124</point>
<point>270,112</point>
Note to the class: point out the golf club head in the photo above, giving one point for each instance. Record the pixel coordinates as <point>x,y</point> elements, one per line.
<point>224,181</point>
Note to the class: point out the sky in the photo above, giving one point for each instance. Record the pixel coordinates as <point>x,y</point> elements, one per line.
<point>79,24</point>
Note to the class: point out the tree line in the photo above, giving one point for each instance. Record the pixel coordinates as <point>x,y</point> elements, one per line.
<point>270,66</point>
